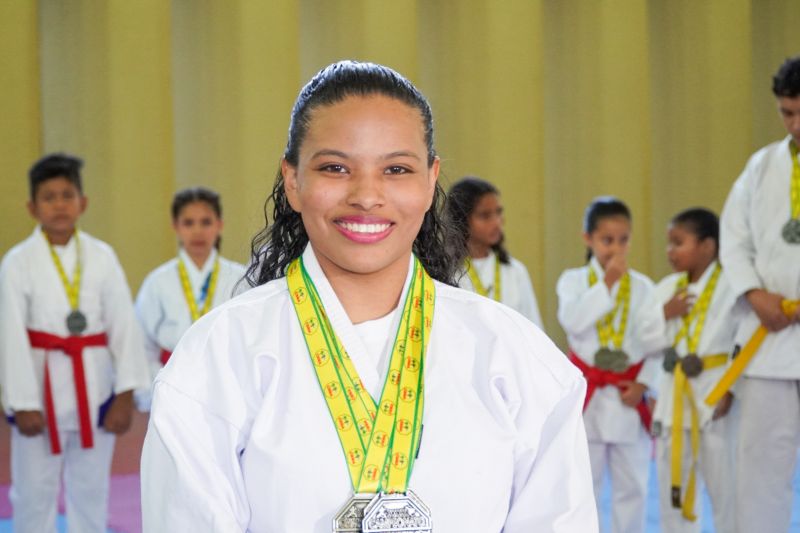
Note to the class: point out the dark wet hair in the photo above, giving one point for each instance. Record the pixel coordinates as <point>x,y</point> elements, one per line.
<point>786,82</point>
<point>600,208</point>
<point>700,221</point>
<point>191,195</point>
<point>279,243</point>
<point>462,198</point>
<point>58,165</point>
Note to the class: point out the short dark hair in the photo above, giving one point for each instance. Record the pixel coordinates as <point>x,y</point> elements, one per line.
<point>700,221</point>
<point>786,82</point>
<point>462,198</point>
<point>57,165</point>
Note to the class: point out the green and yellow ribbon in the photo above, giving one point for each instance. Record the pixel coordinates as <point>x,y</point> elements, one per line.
<point>476,280</point>
<point>606,333</point>
<point>188,294</point>
<point>72,288</point>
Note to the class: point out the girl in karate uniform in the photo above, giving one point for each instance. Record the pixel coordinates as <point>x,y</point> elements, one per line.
<point>474,207</point>
<point>695,442</point>
<point>180,291</point>
<point>615,330</point>
<point>301,404</point>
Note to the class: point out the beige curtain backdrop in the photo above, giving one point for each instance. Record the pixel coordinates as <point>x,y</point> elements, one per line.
<point>659,102</point>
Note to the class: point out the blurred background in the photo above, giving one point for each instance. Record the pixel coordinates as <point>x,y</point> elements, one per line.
<point>659,102</point>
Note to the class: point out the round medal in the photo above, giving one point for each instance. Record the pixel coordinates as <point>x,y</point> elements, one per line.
<point>791,231</point>
<point>692,365</point>
<point>76,322</point>
<point>670,359</point>
<point>613,360</point>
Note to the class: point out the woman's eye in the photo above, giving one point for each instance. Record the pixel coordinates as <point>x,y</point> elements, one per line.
<point>334,168</point>
<point>396,169</point>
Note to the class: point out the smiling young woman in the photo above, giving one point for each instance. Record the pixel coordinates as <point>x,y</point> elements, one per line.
<point>300,405</point>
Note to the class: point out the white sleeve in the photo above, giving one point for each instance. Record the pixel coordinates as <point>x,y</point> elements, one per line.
<point>552,482</point>
<point>190,472</point>
<point>18,383</point>
<point>124,336</point>
<point>150,313</point>
<point>579,309</point>
<point>651,337</point>
<point>529,307</point>
<point>737,249</point>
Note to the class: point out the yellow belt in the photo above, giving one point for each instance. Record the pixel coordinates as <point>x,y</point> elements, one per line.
<point>744,357</point>
<point>682,391</point>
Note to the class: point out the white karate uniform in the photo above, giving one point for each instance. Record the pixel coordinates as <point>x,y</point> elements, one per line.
<point>32,297</point>
<point>162,309</point>
<point>616,436</point>
<point>515,285</point>
<point>716,465</point>
<point>240,437</point>
<point>755,255</point>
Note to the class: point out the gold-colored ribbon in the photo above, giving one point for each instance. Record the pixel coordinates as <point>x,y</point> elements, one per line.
<point>794,194</point>
<point>379,440</point>
<point>606,333</point>
<point>188,294</point>
<point>72,288</point>
<point>476,280</point>
<point>741,361</point>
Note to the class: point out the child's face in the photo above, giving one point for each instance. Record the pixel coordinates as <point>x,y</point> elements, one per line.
<point>57,204</point>
<point>362,184</point>
<point>610,237</point>
<point>789,108</point>
<point>198,228</point>
<point>486,221</point>
<point>685,251</point>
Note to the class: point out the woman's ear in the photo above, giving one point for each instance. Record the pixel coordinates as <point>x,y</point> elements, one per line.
<point>291,185</point>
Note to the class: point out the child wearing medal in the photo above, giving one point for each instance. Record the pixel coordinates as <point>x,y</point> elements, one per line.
<point>615,331</point>
<point>694,445</point>
<point>177,293</point>
<point>70,356</point>
<point>760,252</point>
<point>474,208</point>
<point>354,388</point>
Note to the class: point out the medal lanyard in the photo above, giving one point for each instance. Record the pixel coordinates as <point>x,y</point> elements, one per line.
<point>476,280</point>
<point>73,289</point>
<point>606,333</point>
<point>188,294</point>
<point>379,441</point>
<point>697,315</point>
<point>795,190</point>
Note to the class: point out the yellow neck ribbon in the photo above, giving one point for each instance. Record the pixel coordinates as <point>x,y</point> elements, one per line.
<point>606,333</point>
<point>73,288</point>
<point>379,440</point>
<point>476,280</point>
<point>682,392</point>
<point>188,293</point>
<point>794,194</point>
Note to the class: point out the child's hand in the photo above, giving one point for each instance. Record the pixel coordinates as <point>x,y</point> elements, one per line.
<point>615,269</point>
<point>120,413</point>
<point>29,423</point>
<point>767,306</point>
<point>723,406</point>
<point>678,306</point>
<point>631,392</point>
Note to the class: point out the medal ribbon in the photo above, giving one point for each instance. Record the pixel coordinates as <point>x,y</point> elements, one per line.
<point>697,315</point>
<point>605,326</point>
<point>188,294</point>
<point>379,441</point>
<point>795,190</point>
<point>476,280</point>
<point>73,288</point>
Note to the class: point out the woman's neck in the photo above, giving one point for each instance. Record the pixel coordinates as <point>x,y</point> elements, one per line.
<point>478,250</point>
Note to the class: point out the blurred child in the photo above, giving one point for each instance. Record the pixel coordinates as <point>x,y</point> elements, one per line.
<point>701,325</point>
<point>474,207</point>
<point>70,356</point>
<point>614,324</point>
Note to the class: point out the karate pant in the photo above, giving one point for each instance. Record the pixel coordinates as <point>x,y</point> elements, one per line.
<point>769,434</point>
<point>36,475</point>
<point>628,465</point>
<point>715,469</point>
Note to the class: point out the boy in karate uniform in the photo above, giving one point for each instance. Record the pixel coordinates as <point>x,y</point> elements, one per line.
<point>70,356</point>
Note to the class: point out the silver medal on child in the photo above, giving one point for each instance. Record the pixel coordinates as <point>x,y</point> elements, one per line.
<point>349,519</point>
<point>791,231</point>
<point>76,322</point>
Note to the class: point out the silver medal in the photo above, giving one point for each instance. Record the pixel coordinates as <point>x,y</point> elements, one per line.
<point>791,231</point>
<point>670,359</point>
<point>76,322</point>
<point>613,360</point>
<point>397,513</point>
<point>349,519</point>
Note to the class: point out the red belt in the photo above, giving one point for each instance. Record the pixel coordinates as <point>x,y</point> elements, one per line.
<point>165,355</point>
<point>596,377</point>
<point>73,347</point>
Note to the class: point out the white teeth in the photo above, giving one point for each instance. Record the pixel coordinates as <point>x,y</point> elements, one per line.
<point>364,228</point>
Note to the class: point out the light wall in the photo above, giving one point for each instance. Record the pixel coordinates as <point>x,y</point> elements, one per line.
<point>658,102</point>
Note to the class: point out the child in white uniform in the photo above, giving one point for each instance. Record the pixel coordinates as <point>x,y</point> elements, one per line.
<point>180,291</point>
<point>70,357</point>
<point>695,442</point>
<point>615,331</point>
<point>279,410</point>
<point>474,207</point>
